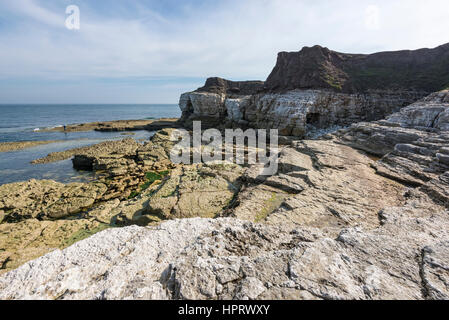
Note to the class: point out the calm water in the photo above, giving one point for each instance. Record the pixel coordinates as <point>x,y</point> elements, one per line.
<point>18,122</point>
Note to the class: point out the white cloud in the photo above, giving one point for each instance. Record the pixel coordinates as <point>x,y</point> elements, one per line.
<point>233,39</point>
<point>372,17</point>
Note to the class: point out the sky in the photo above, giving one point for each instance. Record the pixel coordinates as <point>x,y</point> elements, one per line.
<point>148,51</point>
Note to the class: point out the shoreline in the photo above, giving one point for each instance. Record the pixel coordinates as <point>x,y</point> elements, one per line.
<point>117,125</point>
<point>100,126</point>
<point>21,145</point>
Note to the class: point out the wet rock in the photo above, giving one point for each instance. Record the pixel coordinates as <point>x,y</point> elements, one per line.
<point>87,159</point>
<point>87,154</point>
<point>47,199</point>
<point>114,126</point>
<point>121,164</point>
<point>189,191</point>
<point>29,239</point>
<point>20,145</point>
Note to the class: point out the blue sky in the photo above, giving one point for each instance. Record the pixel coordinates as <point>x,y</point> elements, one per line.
<point>137,51</point>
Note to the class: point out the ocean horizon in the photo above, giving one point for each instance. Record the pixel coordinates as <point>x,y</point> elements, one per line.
<point>21,122</point>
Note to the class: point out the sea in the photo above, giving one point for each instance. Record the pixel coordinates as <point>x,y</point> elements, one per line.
<point>23,122</point>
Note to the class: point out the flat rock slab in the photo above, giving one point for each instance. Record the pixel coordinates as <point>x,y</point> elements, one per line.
<point>20,145</point>
<point>231,259</point>
<point>46,199</point>
<point>119,125</point>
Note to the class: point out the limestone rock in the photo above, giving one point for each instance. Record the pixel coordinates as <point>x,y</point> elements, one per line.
<point>88,153</point>
<point>430,112</point>
<point>294,113</point>
<point>335,222</point>
<point>231,259</point>
<point>155,154</point>
<point>47,199</point>
<point>104,213</point>
<point>235,108</point>
<point>410,142</point>
<point>348,235</point>
<point>435,270</point>
<point>29,239</point>
<point>320,184</point>
<point>320,68</point>
<point>85,159</point>
<point>189,191</point>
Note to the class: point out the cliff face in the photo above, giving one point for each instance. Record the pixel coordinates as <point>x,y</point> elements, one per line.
<point>223,86</point>
<point>297,112</point>
<point>320,88</point>
<point>294,113</point>
<point>320,68</point>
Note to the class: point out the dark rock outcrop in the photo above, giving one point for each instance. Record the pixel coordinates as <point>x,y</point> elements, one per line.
<point>425,70</point>
<point>223,86</point>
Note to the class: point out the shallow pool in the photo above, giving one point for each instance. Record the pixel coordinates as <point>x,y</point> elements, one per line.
<point>15,166</point>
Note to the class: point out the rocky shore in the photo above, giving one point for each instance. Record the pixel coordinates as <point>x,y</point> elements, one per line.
<point>20,145</point>
<point>119,125</point>
<point>358,213</point>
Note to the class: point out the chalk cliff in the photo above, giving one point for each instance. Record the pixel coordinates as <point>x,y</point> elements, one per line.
<point>360,213</point>
<point>319,88</point>
<point>424,70</point>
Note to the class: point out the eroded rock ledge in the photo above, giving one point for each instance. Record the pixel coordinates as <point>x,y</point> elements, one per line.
<point>405,258</point>
<point>413,142</point>
<point>118,125</point>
